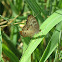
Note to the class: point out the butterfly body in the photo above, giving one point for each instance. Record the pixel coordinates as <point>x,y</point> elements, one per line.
<point>31,27</point>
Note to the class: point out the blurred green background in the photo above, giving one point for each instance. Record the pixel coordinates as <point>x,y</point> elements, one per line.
<point>16,48</point>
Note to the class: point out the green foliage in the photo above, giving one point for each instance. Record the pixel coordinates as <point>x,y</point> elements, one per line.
<point>10,54</point>
<point>42,47</point>
<point>0,44</point>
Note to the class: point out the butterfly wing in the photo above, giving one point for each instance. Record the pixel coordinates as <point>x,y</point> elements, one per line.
<point>32,22</point>
<point>31,27</point>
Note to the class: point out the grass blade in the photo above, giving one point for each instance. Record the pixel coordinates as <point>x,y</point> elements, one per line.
<point>49,23</point>
<point>0,44</point>
<point>10,44</point>
<point>53,43</point>
<point>10,54</point>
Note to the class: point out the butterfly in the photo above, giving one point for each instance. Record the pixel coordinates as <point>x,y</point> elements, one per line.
<point>31,28</point>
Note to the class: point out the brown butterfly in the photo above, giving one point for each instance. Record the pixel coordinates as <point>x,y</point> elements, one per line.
<point>31,27</point>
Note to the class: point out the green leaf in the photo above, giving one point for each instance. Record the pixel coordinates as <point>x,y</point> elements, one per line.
<point>14,34</point>
<point>53,43</point>
<point>48,24</point>
<point>0,44</point>
<point>10,44</point>
<point>25,45</point>
<point>10,54</point>
<point>13,7</point>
